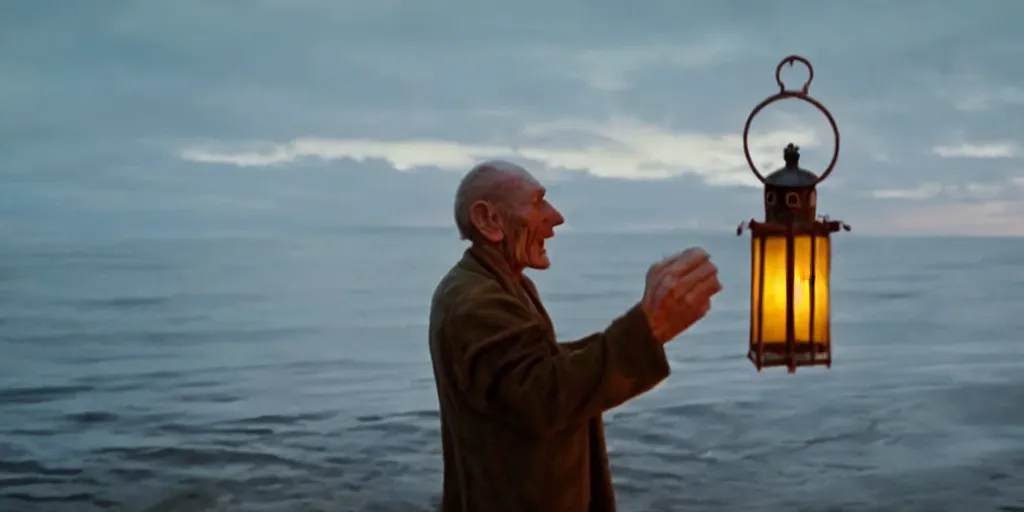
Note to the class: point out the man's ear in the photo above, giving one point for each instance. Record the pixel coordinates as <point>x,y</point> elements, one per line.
<point>485,219</point>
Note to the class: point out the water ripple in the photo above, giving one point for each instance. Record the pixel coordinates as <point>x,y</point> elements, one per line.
<point>41,394</point>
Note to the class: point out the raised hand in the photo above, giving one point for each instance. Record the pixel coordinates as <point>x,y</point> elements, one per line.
<point>678,292</point>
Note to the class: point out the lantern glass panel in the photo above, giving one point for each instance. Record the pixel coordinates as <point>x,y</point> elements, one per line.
<point>768,292</point>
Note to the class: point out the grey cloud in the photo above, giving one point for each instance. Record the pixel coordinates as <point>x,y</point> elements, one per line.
<point>97,98</point>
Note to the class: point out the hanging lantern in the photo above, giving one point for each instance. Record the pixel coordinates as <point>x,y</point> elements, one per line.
<point>790,254</point>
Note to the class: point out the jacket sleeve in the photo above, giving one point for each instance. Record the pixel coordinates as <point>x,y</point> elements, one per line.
<point>509,366</point>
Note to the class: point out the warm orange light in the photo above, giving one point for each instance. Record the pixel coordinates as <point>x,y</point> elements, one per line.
<point>790,255</point>
<point>769,315</point>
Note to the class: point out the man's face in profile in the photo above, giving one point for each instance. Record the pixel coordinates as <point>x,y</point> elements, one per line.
<point>532,220</point>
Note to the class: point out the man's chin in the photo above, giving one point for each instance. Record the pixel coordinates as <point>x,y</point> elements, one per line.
<point>541,263</point>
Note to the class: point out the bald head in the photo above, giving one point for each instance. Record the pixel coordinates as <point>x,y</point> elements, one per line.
<point>493,181</point>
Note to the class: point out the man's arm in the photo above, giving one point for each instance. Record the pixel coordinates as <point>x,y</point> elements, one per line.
<point>504,363</point>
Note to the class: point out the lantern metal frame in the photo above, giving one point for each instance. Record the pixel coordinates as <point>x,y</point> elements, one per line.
<point>794,217</point>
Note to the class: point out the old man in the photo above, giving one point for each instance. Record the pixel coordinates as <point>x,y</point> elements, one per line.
<point>521,426</point>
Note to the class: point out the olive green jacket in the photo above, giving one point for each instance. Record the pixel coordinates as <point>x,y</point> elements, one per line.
<point>521,425</point>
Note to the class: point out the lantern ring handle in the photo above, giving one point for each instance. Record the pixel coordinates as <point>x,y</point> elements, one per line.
<point>784,94</point>
<point>790,60</point>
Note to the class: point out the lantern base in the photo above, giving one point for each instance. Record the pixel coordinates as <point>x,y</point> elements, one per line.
<point>803,354</point>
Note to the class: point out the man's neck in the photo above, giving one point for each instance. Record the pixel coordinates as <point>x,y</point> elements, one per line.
<point>496,256</point>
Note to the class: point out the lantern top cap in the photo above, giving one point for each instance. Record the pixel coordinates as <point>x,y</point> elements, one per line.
<point>791,175</point>
<point>791,155</point>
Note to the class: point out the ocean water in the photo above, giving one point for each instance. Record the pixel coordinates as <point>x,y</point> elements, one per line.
<point>292,374</point>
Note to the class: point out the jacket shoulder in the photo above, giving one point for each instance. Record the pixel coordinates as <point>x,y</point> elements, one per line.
<point>462,285</point>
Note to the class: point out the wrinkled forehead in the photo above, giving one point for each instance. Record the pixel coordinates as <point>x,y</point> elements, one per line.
<point>524,189</point>
<point>527,184</point>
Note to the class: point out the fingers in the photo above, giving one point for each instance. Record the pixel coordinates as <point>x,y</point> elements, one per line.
<point>689,297</point>
<point>684,281</point>
<point>697,274</point>
<point>681,261</point>
<point>656,274</point>
<point>657,279</point>
<point>661,290</point>
<point>656,269</point>
<point>704,289</point>
<point>688,260</point>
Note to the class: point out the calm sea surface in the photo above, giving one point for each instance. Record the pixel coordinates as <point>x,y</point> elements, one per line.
<point>292,374</point>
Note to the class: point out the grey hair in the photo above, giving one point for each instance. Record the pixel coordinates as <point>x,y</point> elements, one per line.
<point>482,183</point>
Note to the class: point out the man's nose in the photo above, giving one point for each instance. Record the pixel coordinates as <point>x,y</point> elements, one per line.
<point>556,217</point>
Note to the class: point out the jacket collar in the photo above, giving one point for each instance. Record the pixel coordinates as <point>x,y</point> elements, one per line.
<point>489,261</point>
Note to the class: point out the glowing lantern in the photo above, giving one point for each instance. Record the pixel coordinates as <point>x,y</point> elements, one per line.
<point>790,255</point>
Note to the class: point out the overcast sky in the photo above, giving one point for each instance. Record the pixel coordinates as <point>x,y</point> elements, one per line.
<point>190,115</point>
